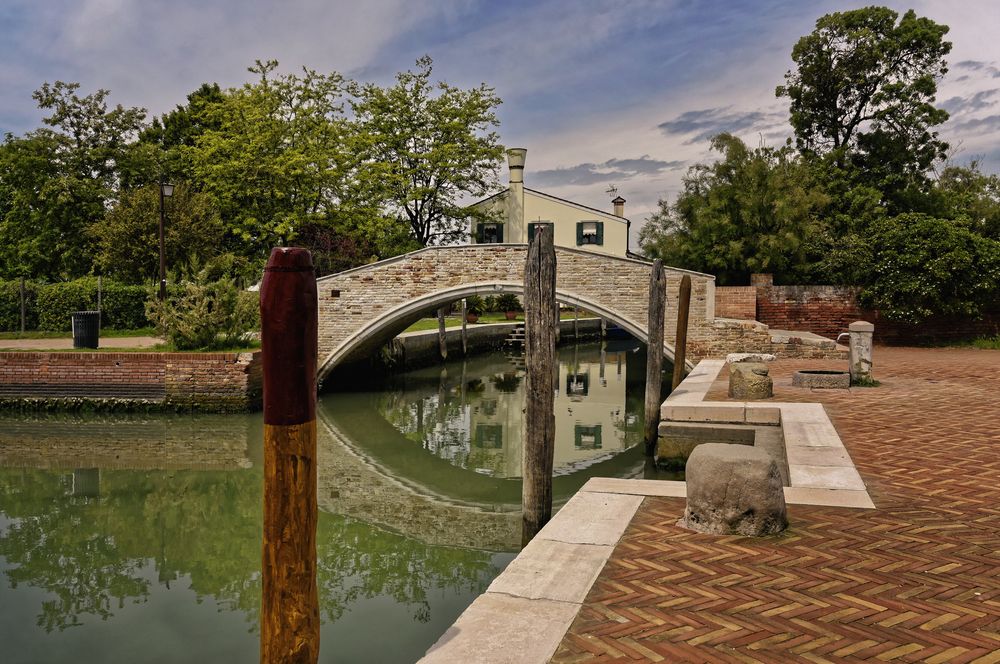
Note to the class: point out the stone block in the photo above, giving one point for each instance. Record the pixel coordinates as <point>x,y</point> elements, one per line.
<point>734,490</point>
<point>750,381</point>
<point>733,358</point>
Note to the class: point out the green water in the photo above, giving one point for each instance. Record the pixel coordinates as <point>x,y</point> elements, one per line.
<point>137,538</point>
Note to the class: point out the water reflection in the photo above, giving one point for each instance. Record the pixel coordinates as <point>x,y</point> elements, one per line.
<point>477,424</point>
<point>119,533</point>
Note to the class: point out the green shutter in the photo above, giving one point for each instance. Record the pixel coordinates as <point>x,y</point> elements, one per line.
<point>479,233</point>
<point>600,232</point>
<point>531,232</point>
<point>579,233</point>
<point>500,233</point>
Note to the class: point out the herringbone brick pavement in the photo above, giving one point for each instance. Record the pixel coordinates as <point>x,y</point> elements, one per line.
<point>917,579</point>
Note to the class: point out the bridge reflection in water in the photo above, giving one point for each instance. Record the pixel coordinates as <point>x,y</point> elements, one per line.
<point>419,499</point>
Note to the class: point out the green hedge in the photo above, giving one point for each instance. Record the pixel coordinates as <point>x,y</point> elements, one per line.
<point>10,306</point>
<point>49,306</point>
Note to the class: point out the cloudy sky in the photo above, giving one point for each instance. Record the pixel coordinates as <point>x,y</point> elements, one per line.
<point>600,93</point>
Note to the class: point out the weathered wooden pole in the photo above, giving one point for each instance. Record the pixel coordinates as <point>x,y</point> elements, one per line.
<point>289,619</point>
<point>540,361</point>
<point>680,342</point>
<point>465,338</point>
<point>442,337</point>
<point>24,306</point>
<point>576,324</point>
<point>654,353</point>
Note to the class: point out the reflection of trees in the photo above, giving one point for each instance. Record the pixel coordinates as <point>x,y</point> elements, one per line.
<point>93,555</point>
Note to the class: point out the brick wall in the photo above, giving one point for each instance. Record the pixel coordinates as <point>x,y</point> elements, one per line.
<point>211,382</point>
<point>828,310</point>
<point>739,302</point>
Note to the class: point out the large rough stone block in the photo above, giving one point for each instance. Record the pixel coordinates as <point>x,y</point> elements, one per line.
<point>750,381</point>
<point>734,490</point>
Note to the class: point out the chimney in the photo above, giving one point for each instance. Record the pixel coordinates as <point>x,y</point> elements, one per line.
<point>515,161</point>
<point>619,204</point>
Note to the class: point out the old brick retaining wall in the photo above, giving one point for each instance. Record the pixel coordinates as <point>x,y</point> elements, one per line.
<point>828,310</point>
<point>208,382</point>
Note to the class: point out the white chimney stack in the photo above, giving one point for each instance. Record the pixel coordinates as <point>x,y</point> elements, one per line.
<point>619,204</point>
<point>515,161</point>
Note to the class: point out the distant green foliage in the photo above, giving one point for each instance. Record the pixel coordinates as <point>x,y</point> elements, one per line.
<point>10,305</point>
<point>202,314</point>
<point>122,305</point>
<point>475,305</point>
<point>922,266</point>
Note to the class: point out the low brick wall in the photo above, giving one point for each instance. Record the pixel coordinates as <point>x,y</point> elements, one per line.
<point>207,382</point>
<point>828,310</point>
<point>739,302</point>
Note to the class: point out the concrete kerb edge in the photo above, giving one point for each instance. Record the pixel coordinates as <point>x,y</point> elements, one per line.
<point>830,480</point>
<point>537,592</point>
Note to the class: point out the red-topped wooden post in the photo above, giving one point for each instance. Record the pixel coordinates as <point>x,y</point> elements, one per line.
<point>289,619</point>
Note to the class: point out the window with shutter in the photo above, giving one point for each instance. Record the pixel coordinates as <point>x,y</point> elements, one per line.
<point>589,232</point>
<point>533,225</point>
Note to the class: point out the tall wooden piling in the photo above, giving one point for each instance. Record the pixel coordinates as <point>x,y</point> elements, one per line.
<point>540,361</point>
<point>680,341</point>
<point>654,353</point>
<point>289,619</point>
<point>465,337</point>
<point>442,337</point>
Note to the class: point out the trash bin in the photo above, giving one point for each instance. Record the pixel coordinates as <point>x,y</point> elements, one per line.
<point>86,329</point>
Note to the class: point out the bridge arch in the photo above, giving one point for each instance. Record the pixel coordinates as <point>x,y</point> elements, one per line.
<point>362,308</point>
<point>377,332</point>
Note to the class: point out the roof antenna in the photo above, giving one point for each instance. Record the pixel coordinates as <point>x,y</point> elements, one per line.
<point>612,191</point>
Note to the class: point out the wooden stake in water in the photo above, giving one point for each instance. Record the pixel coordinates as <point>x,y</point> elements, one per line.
<point>654,353</point>
<point>680,342</point>
<point>442,337</point>
<point>465,339</point>
<point>540,362</point>
<point>289,619</point>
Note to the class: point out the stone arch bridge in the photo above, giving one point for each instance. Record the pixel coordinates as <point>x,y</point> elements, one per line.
<point>363,308</point>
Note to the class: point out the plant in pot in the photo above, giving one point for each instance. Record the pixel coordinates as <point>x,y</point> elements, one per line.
<point>510,305</point>
<point>474,308</point>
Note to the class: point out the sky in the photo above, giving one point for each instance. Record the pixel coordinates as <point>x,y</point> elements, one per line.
<point>622,93</point>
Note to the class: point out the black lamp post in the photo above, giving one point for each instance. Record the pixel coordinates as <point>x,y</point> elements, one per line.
<point>166,191</point>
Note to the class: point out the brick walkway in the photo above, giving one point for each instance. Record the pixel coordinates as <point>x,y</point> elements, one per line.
<point>918,579</point>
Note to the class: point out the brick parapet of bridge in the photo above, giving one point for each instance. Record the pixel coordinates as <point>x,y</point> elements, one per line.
<point>349,302</point>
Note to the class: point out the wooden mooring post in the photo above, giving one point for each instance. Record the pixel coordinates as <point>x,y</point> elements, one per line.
<point>442,336</point>
<point>465,337</point>
<point>289,619</point>
<point>540,361</point>
<point>680,342</point>
<point>654,353</point>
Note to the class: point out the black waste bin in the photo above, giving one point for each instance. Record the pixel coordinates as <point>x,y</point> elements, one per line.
<point>86,329</point>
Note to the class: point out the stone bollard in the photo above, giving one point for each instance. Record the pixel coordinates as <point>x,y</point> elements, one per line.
<point>750,381</point>
<point>733,490</point>
<point>861,351</point>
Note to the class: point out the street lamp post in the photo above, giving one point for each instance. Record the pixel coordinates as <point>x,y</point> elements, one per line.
<point>166,191</point>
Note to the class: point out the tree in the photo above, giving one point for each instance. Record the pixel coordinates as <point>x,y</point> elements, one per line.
<point>181,127</point>
<point>438,145</point>
<point>276,153</point>
<point>126,239</point>
<point>863,90</point>
<point>57,180</point>
<point>752,211</point>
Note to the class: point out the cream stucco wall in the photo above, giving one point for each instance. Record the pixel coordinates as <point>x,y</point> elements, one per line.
<point>563,215</point>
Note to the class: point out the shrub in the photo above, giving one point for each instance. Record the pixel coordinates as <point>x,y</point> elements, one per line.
<point>10,305</point>
<point>923,266</point>
<point>475,305</point>
<point>122,305</point>
<point>202,314</point>
<point>509,302</point>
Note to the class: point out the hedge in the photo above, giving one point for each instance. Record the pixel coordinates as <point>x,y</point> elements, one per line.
<point>49,306</point>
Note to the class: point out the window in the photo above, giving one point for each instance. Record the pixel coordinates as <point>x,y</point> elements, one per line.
<point>577,384</point>
<point>589,232</point>
<point>489,233</point>
<point>489,436</point>
<point>535,224</point>
<point>587,437</point>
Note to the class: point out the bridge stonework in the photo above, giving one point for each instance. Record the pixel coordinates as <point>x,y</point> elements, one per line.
<point>363,308</point>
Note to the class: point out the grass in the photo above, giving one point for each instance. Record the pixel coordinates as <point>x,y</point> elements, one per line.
<point>425,324</point>
<point>987,343</point>
<point>106,333</point>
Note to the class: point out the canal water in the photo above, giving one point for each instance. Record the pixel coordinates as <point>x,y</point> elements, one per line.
<point>137,538</point>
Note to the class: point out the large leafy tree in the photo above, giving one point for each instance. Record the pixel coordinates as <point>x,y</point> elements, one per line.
<point>438,145</point>
<point>57,180</point>
<point>181,128</point>
<point>754,210</point>
<point>862,94</point>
